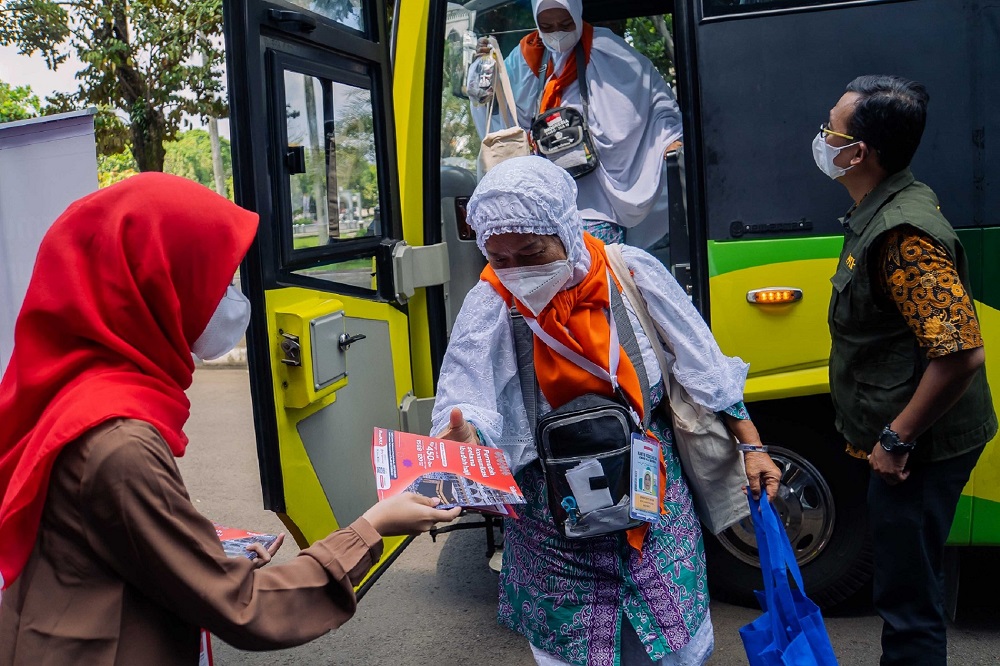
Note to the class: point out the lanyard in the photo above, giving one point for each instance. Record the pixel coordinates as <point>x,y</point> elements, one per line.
<point>614,352</point>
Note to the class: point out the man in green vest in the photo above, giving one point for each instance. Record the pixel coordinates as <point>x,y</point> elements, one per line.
<point>906,368</point>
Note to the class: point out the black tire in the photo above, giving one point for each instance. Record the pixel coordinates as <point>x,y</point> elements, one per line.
<point>822,502</point>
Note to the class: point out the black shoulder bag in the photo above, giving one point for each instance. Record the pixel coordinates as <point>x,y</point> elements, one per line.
<point>562,135</point>
<point>585,445</point>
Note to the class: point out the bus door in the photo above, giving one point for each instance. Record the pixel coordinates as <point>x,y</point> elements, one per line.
<point>329,342</point>
<point>763,76</point>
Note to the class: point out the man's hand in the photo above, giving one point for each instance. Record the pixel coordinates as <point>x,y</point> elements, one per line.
<point>408,513</point>
<point>459,430</point>
<point>264,555</point>
<point>762,473</point>
<point>890,466</point>
<point>483,46</point>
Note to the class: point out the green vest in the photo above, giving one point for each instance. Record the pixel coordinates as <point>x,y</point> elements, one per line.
<point>875,362</point>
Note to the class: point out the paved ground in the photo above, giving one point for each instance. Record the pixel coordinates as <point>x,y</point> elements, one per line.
<point>436,605</point>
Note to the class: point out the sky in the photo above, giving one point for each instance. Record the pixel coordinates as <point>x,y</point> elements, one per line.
<point>19,70</point>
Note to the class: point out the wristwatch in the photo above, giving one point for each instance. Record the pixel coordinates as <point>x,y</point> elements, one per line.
<point>890,441</point>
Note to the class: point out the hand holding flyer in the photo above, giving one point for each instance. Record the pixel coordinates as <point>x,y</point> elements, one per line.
<point>459,474</point>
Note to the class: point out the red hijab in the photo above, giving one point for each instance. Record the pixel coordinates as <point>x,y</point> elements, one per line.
<point>124,282</point>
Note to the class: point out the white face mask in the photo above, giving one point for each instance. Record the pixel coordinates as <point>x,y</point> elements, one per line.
<point>535,286</point>
<point>225,328</point>
<point>824,154</point>
<point>559,42</point>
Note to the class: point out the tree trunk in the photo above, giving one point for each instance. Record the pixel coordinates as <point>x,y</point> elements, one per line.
<point>220,178</point>
<point>149,129</point>
<point>327,218</point>
<point>668,39</point>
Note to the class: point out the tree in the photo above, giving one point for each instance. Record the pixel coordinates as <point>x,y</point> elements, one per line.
<point>190,156</point>
<point>139,62</point>
<point>18,103</point>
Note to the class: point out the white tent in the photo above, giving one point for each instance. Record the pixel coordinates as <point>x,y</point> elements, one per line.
<point>45,164</point>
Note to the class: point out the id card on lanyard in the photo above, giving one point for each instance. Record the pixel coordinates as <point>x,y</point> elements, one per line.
<point>645,478</point>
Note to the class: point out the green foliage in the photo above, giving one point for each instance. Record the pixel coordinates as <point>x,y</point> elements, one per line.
<point>148,61</point>
<point>116,167</point>
<point>651,37</point>
<point>35,26</point>
<point>18,103</point>
<point>190,156</point>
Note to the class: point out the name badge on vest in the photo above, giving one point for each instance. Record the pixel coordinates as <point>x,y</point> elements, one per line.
<point>645,478</point>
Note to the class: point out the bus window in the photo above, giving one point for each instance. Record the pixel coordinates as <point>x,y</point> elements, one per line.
<point>728,7</point>
<point>333,175</point>
<point>345,12</point>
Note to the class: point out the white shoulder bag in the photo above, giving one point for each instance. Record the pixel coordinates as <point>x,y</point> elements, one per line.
<point>712,464</point>
<point>512,141</point>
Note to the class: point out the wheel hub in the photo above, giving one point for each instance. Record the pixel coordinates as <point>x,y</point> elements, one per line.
<point>804,504</point>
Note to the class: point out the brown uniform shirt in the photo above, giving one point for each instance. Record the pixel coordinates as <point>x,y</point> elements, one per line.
<point>125,570</point>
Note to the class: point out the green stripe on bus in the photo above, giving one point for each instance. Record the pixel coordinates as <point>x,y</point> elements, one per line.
<point>961,526</point>
<point>985,521</point>
<point>728,256</point>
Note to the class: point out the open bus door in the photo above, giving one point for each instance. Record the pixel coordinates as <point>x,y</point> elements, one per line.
<point>329,345</point>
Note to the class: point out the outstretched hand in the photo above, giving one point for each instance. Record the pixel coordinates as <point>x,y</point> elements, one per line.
<point>408,513</point>
<point>459,430</point>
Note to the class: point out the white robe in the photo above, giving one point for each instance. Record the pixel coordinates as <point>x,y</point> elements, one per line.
<point>633,118</point>
<point>479,372</point>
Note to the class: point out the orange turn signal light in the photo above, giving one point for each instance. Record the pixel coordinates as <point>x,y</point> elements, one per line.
<point>774,295</point>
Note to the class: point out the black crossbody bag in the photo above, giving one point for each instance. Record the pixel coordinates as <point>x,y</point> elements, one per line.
<point>562,134</point>
<point>584,446</point>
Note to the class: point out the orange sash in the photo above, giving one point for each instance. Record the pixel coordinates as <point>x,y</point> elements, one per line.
<point>577,317</point>
<point>533,51</point>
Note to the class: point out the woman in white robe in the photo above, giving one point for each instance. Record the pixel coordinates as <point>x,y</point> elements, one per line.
<point>633,116</point>
<point>598,602</point>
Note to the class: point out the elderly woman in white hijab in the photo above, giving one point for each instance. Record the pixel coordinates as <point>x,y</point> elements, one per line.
<point>610,599</point>
<point>633,116</point>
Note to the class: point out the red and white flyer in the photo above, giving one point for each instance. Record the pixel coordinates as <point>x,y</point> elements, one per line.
<point>459,474</point>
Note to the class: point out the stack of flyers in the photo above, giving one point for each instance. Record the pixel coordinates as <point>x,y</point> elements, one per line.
<point>459,474</point>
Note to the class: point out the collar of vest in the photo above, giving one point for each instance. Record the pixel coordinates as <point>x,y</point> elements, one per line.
<point>871,204</point>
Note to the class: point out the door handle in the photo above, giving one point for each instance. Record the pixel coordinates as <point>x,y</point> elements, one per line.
<point>345,341</point>
<point>292,21</point>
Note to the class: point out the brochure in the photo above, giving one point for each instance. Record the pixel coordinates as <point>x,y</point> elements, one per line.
<point>459,474</point>
<point>235,542</point>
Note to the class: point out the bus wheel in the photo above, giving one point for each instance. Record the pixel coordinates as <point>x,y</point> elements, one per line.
<point>822,502</point>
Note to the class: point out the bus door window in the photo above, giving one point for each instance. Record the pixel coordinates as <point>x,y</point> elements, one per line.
<point>333,193</point>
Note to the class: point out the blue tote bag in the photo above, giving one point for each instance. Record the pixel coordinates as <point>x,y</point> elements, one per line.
<point>791,630</point>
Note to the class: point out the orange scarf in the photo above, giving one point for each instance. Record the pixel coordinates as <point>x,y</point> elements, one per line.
<point>533,51</point>
<point>577,317</point>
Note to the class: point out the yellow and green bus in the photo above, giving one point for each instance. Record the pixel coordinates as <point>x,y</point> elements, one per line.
<point>353,140</point>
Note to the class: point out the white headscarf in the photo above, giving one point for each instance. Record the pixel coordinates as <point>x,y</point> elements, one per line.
<point>529,195</point>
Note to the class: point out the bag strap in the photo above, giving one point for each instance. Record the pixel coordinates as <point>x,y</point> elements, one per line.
<point>631,346</point>
<point>653,331</point>
<point>524,351</point>
<point>502,88</point>
<point>581,79</point>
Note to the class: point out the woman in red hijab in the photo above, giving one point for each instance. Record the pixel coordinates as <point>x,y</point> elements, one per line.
<point>103,558</point>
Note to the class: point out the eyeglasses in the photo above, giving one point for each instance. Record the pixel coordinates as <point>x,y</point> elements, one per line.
<point>825,130</point>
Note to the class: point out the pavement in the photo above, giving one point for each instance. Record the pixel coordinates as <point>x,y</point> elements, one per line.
<point>436,605</point>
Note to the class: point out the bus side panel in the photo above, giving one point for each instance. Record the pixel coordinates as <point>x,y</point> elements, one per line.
<point>773,338</point>
<point>767,82</point>
<point>986,477</point>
